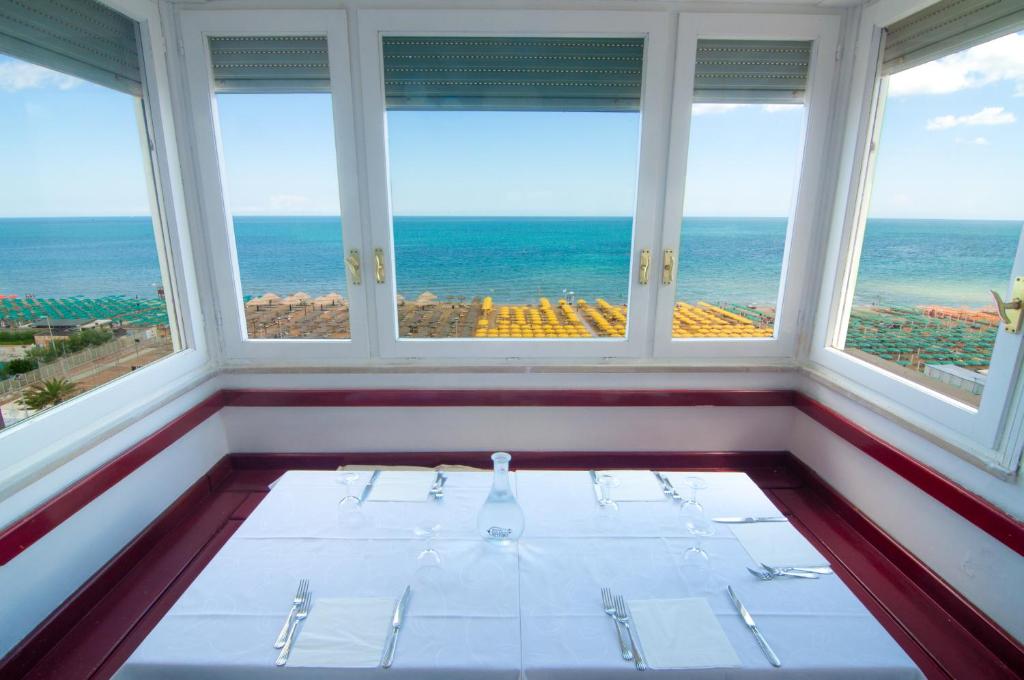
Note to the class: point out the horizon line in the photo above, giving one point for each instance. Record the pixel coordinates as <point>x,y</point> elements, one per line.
<point>879,217</point>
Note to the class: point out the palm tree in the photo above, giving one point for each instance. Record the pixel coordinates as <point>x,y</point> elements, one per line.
<point>50,393</point>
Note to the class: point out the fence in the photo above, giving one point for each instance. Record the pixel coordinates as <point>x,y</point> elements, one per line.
<point>61,367</point>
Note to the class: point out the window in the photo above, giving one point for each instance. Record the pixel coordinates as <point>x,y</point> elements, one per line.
<point>512,165</point>
<point>751,119</point>
<point>746,136</point>
<point>944,213</point>
<point>83,291</point>
<point>281,184</point>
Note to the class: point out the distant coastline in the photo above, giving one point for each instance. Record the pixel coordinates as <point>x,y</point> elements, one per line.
<point>906,262</point>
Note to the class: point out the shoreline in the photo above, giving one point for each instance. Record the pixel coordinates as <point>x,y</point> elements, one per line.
<point>945,348</point>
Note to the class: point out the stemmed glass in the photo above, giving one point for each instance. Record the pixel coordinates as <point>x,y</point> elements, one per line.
<point>349,507</point>
<point>695,484</point>
<point>696,560</point>
<point>607,482</point>
<point>427,528</point>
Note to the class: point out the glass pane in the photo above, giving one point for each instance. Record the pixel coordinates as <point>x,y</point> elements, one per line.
<point>82,289</point>
<point>281,181</point>
<point>513,223</point>
<point>740,181</point>
<point>944,219</point>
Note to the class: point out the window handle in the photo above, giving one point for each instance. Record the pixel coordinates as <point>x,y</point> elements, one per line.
<point>378,258</point>
<point>645,266</point>
<point>352,264</point>
<point>668,266</point>
<point>1010,312</point>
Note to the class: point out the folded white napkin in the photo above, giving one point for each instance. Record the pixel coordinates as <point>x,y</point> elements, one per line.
<point>777,544</point>
<point>681,633</point>
<point>635,485</point>
<point>402,485</point>
<point>344,632</point>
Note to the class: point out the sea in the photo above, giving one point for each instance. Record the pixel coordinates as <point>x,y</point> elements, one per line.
<point>515,259</point>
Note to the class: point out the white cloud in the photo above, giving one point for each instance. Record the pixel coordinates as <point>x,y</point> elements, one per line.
<point>702,109</point>
<point>288,201</point>
<point>1001,59</point>
<point>990,115</point>
<point>19,75</point>
<point>979,141</point>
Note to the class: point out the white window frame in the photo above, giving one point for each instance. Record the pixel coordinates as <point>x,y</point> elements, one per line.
<point>196,27</point>
<point>657,82</point>
<point>823,31</point>
<point>993,431</point>
<point>28,449</point>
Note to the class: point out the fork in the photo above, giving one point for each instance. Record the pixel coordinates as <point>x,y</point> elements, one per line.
<point>622,616</point>
<point>806,570</point>
<point>666,486</point>
<point>769,575</point>
<point>300,595</point>
<point>300,616</point>
<point>437,490</point>
<point>609,608</point>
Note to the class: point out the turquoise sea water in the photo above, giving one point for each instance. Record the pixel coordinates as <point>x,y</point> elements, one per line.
<point>952,262</point>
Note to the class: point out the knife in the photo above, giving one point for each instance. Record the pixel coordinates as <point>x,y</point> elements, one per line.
<point>749,620</point>
<point>369,485</point>
<point>597,488</point>
<point>748,520</point>
<point>396,623</point>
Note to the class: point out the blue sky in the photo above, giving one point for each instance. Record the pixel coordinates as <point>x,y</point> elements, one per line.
<point>952,146</point>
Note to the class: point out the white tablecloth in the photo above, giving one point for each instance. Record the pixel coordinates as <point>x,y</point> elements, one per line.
<point>530,610</point>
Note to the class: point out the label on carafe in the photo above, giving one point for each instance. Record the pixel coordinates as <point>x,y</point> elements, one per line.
<point>499,532</point>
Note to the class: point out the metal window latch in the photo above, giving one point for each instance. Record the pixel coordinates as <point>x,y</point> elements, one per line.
<point>645,266</point>
<point>1010,311</point>
<point>668,266</point>
<point>352,264</point>
<point>378,258</point>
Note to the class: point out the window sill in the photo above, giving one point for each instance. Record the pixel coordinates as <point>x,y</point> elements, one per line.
<point>53,439</point>
<point>912,421</point>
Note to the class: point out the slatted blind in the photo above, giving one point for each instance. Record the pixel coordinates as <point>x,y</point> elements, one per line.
<point>79,37</point>
<point>265,64</point>
<point>517,74</point>
<point>947,27</point>
<point>752,71</point>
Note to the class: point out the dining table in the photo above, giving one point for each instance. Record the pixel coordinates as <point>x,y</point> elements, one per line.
<point>530,608</point>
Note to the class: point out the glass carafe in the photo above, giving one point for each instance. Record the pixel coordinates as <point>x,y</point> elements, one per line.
<point>500,519</point>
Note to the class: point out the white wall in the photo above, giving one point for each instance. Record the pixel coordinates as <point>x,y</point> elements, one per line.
<point>38,580</point>
<point>701,428</point>
<point>326,429</point>
<point>980,567</point>
<point>1007,495</point>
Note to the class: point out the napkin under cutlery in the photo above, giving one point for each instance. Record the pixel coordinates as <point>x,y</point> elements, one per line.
<point>344,632</point>
<point>777,544</point>
<point>681,633</point>
<point>400,485</point>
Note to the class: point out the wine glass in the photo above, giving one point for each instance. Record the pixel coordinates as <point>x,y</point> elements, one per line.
<point>695,484</point>
<point>607,482</point>
<point>696,560</point>
<point>427,527</point>
<point>349,507</point>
